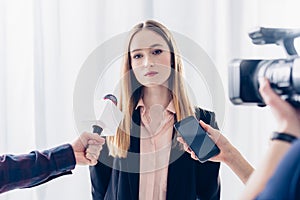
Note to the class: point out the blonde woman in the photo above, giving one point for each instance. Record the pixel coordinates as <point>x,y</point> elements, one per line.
<point>146,160</point>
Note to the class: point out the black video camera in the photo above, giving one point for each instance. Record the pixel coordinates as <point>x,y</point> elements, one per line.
<point>283,74</point>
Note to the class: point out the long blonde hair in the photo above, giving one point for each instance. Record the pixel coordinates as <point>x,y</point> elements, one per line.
<point>131,89</point>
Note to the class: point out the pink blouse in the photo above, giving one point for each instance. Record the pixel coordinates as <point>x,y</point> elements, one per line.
<point>155,145</point>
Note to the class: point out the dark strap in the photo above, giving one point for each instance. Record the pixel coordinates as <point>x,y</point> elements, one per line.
<point>283,137</point>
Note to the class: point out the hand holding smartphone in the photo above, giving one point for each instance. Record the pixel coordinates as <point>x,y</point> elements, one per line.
<point>197,138</point>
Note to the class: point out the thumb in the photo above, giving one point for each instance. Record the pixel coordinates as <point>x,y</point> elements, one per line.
<point>212,133</point>
<point>206,127</point>
<point>267,93</point>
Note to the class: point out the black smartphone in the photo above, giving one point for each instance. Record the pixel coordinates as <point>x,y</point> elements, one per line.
<point>197,138</point>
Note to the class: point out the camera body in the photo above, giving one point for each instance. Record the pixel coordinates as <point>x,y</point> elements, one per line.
<point>283,74</point>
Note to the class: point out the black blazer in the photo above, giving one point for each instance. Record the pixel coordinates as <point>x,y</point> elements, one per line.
<point>187,178</point>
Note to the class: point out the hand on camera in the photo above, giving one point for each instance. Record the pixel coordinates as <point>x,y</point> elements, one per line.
<point>288,117</point>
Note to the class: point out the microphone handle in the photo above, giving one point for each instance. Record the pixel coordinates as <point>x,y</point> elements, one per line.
<point>97,129</point>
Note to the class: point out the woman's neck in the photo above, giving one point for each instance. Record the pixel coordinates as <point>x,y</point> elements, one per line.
<point>156,95</point>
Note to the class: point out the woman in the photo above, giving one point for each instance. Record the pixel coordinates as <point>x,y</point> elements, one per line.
<point>147,161</point>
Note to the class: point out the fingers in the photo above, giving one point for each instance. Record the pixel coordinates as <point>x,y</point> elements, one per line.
<point>187,148</point>
<point>85,159</point>
<point>87,148</point>
<point>93,150</point>
<point>92,159</point>
<point>92,154</point>
<point>193,155</point>
<point>269,96</point>
<point>93,146</point>
<point>90,142</point>
<point>95,138</point>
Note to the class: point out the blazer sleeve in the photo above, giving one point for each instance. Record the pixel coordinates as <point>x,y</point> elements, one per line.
<point>35,168</point>
<point>101,174</point>
<point>285,181</point>
<point>208,183</point>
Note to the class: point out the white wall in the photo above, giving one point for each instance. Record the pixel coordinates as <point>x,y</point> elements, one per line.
<point>43,45</point>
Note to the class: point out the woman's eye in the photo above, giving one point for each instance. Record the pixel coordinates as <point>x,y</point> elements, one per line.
<point>157,52</point>
<point>137,56</point>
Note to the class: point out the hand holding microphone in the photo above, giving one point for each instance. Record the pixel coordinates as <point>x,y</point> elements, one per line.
<point>109,122</point>
<point>84,155</point>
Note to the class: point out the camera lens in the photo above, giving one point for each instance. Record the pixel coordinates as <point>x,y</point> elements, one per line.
<point>278,72</point>
<point>296,75</point>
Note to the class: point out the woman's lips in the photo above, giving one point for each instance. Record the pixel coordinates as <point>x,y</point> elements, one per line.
<point>152,73</point>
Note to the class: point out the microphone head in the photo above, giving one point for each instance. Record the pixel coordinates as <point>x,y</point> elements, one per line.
<point>112,98</point>
<point>110,118</point>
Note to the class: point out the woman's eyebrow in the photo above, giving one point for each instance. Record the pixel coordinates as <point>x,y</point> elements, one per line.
<point>156,45</point>
<point>152,46</point>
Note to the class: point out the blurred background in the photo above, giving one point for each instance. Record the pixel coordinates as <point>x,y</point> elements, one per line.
<point>43,45</point>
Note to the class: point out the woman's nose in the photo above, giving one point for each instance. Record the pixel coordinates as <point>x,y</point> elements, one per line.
<point>148,62</point>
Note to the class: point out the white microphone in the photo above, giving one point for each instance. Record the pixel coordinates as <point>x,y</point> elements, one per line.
<point>110,117</point>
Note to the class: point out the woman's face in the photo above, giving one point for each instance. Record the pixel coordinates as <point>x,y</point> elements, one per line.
<point>150,58</point>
